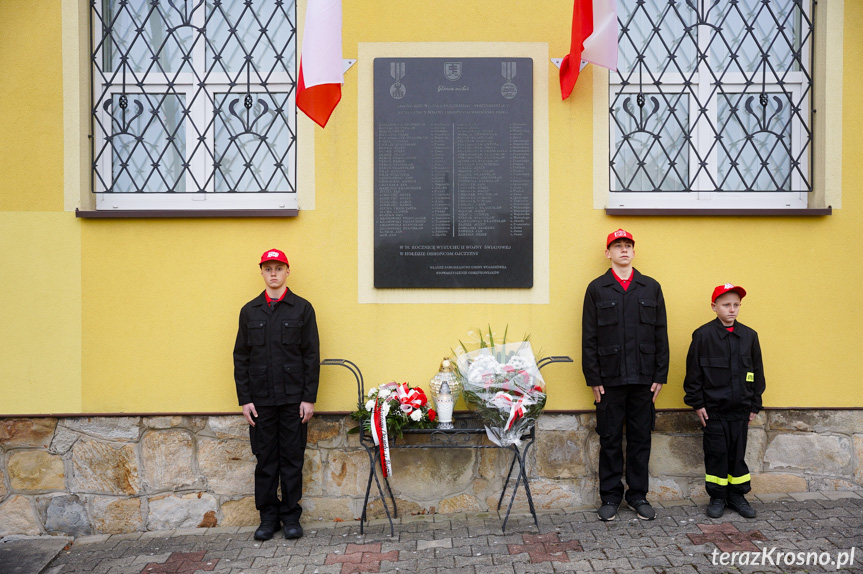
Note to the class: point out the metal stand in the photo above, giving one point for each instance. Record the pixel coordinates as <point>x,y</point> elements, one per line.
<point>458,437</point>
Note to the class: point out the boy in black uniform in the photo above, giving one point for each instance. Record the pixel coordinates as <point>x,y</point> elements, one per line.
<point>276,370</point>
<point>625,361</point>
<point>724,383</point>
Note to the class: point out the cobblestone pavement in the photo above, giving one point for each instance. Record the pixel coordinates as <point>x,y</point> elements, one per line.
<point>789,529</point>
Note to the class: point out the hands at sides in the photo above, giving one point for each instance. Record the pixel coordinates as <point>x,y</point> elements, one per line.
<point>702,416</point>
<point>655,388</point>
<point>306,411</point>
<point>599,390</point>
<point>249,412</point>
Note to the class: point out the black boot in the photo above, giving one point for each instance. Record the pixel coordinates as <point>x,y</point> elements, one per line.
<point>267,529</point>
<point>716,507</point>
<point>739,503</point>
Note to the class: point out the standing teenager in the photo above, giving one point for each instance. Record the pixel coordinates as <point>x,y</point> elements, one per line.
<point>276,370</point>
<point>625,362</point>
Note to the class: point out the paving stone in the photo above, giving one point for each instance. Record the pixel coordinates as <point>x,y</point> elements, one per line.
<point>426,544</point>
<point>258,552</point>
<point>842,494</point>
<point>810,524</point>
<point>648,562</point>
<point>687,569</point>
<point>773,497</point>
<point>621,563</point>
<point>522,557</point>
<point>495,569</point>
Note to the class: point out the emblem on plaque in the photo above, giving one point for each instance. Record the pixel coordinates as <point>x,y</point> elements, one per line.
<point>507,70</point>
<point>397,71</point>
<point>452,71</point>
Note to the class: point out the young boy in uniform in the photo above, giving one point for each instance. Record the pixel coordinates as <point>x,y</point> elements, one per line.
<point>625,361</point>
<point>276,370</point>
<point>724,383</point>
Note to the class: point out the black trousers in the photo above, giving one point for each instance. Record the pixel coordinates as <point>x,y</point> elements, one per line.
<point>279,443</point>
<point>724,457</point>
<point>632,406</point>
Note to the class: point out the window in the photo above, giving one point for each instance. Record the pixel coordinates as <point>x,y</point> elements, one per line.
<point>711,104</point>
<point>193,104</point>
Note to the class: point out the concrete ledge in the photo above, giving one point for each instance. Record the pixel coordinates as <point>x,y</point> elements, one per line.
<point>29,554</point>
<point>775,497</point>
<point>801,496</point>
<point>840,494</point>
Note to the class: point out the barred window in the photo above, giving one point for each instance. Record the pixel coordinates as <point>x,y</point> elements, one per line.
<point>711,104</point>
<point>193,104</point>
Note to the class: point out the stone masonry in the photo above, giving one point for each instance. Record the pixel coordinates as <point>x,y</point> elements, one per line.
<point>104,475</point>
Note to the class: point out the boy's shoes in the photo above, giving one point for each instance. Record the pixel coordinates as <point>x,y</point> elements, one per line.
<point>643,509</point>
<point>738,502</point>
<point>267,528</point>
<point>608,511</point>
<point>293,531</point>
<point>716,507</point>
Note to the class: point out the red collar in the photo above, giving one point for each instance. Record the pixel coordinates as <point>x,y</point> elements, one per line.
<point>623,282</point>
<point>270,299</point>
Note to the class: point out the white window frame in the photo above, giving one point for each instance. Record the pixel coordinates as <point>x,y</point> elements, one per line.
<point>201,110</point>
<point>733,83</point>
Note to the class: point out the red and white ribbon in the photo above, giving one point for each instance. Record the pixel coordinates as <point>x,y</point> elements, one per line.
<point>409,397</point>
<point>516,408</point>
<point>379,434</point>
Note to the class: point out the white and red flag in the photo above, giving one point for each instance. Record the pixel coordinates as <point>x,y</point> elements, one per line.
<point>593,39</point>
<point>582,27</point>
<point>600,48</point>
<point>319,87</point>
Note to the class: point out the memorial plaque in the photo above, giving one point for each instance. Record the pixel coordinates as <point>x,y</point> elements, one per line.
<point>453,192</point>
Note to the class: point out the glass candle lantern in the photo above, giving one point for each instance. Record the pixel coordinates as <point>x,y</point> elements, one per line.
<point>445,390</point>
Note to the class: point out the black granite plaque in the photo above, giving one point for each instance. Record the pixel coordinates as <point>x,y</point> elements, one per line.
<point>453,172</point>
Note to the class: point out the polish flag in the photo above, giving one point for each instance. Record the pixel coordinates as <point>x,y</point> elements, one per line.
<point>319,87</point>
<point>594,40</point>
<point>601,47</point>
<point>582,28</point>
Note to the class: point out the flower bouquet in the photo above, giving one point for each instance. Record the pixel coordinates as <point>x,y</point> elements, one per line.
<point>390,408</point>
<point>502,384</point>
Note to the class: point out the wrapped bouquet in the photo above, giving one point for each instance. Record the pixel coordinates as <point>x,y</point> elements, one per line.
<point>389,409</point>
<point>502,384</point>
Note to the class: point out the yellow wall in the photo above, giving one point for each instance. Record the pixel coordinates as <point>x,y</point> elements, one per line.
<point>142,314</point>
<point>40,245</point>
<point>31,98</point>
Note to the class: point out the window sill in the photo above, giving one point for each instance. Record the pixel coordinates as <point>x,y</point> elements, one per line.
<point>714,212</point>
<point>184,213</point>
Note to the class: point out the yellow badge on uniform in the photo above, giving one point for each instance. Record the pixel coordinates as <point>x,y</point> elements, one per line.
<point>750,377</point>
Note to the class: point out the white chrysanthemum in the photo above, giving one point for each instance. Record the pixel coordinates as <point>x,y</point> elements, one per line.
<point>484,364</point>
<point>416,415</point>
<point>370,406</point>
<point>373,391</point>
<point>384,393</point>
<point>519,363</point>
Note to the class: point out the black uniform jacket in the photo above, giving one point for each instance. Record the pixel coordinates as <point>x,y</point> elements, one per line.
<point>277,353</point>
<point>717,368</point>
<point>624,333</point>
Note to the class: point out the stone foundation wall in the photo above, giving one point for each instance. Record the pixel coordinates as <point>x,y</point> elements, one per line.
<point>88,475</point>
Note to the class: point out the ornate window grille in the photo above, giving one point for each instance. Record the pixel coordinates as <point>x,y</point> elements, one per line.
<point>195,98</point>
<point>712,97</point>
